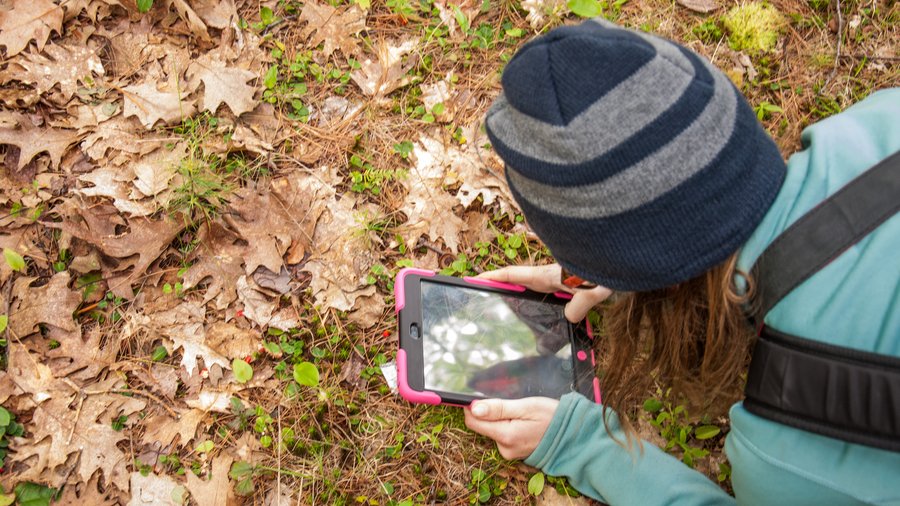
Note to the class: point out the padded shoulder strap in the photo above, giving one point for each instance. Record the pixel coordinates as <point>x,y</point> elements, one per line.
<point>826,231</point>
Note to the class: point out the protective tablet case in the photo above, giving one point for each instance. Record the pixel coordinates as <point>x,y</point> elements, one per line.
<point>588,384</point>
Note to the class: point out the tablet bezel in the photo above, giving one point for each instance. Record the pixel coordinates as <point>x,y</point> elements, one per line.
<point>410,360</point>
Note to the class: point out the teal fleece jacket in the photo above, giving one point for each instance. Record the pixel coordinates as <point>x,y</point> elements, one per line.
<point>852,302</point>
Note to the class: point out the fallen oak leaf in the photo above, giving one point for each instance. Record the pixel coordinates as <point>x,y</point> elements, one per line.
<point>29,20</point>
<point>183,324</point>
<point>53,303</point>
<point>336,28</point>
<point>145,238</point>
<point>187,14</point>
<point>224,84</point>
<point>379,77</point>
<point>152,490</point>
<point>219,258</point>
<point>33,141</point>
<point>260,310</point>
<point>150,105</point>
<point>62,65</point>
<point>163,429</point>
<point>216,491</point>
<point>341,256</point>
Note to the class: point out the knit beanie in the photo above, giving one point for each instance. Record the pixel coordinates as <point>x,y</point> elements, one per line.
<point>637,162</point>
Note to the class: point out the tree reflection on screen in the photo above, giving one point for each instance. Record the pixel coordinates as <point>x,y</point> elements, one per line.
<point>488,344</point>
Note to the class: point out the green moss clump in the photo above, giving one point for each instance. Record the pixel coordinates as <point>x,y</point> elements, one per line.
<point>753,27</point>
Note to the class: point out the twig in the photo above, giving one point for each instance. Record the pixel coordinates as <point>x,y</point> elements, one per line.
<point>840,38</point>
<point>134,392</point>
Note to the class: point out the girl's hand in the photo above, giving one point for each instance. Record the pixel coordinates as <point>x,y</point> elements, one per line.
<point>516,425</point>
<point>548,279</point>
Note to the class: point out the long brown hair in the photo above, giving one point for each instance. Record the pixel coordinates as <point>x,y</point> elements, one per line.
<point>692,337</point>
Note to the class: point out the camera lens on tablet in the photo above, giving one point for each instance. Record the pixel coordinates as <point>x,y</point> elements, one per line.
<point>414,331</point>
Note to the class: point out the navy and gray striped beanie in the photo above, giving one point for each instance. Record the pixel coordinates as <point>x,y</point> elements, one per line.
<point>636,161</point>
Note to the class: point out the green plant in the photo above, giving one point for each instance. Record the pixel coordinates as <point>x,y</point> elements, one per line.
<point>8,429</point>
<point>485,486</point>
<point>366,178</point>
<point>14,260</point>
<point>34,494</point>
<point>585,8</point>
<point>674,426</point>
<point>708,31</point>
<point>764,110</point>
<point>144,5</point>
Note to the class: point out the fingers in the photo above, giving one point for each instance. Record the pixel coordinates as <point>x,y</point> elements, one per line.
<point>584,300</point>
<point>516,425</point>
<point>541,278</point>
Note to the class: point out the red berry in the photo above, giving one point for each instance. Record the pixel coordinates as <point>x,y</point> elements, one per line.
<point>240,312</point>
<point>386,333</point>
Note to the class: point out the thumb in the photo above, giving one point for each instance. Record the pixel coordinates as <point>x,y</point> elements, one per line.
<point>498,409</point>
<point>584,300</point>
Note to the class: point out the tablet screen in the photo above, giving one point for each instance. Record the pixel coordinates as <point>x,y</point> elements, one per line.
<point>494,345</point>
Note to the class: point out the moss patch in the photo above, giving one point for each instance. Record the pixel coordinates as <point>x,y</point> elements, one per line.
<point>753,27</point>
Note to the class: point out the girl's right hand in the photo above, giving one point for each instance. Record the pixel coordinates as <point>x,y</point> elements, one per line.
<point>548,279</point>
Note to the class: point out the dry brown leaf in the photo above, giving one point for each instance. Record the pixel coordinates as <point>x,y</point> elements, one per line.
<point>63,65</point>
<point>115,183</point>
<point>387,72</point>
<point>222,83</point>
<point>428,205</point>
<point>232,341</point>
<point>211,400</point>
<point>219,258</point>
<point>95,9</point>
<point>53,303</point>
<point>260,310</point>
<point>163,429</point>
<point>187,14</point>
<point>278,221</point>
<point>370,310</point>
<point>335,27</point>
<point>161,379</point>
<point>150,105</point>
<point>80,359</point>
<point>30,375</point>
<point>702,6</point>
<point>216,491</point>
<point>184,326</point>
<point>33,141</point>
<point>146,239</point>
<point>154,173</point>
<point>88,493</point>
<point>341,256</point>
<point>152,490</point>
<point>118,140</point>
<point>63,427</point>
<point>19,239</point>
<point>216,13</point>
<point>29,20</point>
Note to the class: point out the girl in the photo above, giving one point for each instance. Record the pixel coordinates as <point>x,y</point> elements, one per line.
<point>645,172</point>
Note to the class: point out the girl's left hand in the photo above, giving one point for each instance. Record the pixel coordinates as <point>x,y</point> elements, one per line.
<point>516,425</point>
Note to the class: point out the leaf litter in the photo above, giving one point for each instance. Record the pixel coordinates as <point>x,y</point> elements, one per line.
<point>178,213</point>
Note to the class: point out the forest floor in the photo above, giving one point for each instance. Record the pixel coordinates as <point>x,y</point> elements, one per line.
<point>203,204</point>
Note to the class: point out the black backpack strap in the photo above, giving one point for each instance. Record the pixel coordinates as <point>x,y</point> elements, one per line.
<point>830,390</point>
<point>835,391</point>
<point>825,232</point>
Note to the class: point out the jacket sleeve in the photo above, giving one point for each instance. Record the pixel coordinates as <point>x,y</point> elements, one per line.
<point>577,446</point>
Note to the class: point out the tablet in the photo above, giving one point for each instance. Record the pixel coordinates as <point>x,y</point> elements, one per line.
<point>463,339</point>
